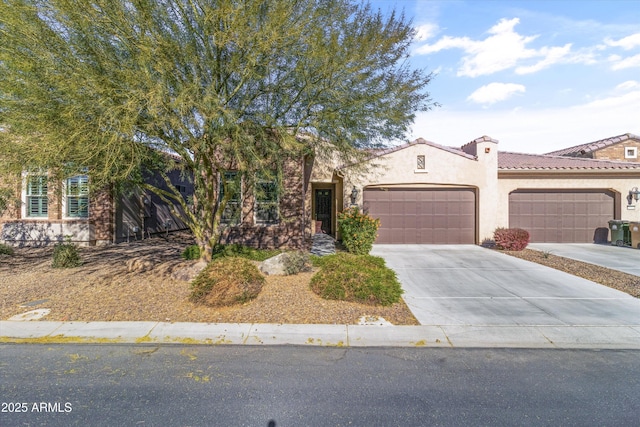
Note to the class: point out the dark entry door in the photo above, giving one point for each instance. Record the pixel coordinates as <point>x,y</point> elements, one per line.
<point>323,209</point>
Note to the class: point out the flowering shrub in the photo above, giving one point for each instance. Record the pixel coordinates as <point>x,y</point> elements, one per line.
<point>358,231</point>
<point>511,239</point>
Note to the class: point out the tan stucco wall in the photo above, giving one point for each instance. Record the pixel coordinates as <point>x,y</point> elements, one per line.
<point>621,185</point>
<point>442,168</point>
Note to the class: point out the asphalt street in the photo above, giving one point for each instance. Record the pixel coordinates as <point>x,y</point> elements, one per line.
<point>180,385</point>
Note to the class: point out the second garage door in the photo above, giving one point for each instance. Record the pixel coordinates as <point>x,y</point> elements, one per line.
<point>561,216</point>
<point>416,215</point>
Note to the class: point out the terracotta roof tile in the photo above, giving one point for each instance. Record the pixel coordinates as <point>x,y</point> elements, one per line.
<point>419,141</point>
<point>521,161</point>
<point>593,146</point>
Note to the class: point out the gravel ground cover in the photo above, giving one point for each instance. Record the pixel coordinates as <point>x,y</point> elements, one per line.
<point>137,281</point>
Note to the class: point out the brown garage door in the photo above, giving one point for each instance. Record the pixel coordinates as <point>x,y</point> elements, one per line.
<point>561,216</point>
<point>438,216</point>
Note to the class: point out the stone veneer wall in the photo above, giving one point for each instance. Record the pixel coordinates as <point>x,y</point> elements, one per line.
<point>616,152</point>
<point>289,231</point>
<point>102,217</point>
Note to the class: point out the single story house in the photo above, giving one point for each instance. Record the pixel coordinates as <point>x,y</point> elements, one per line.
<point>422,192</point>
<point>618,148</point>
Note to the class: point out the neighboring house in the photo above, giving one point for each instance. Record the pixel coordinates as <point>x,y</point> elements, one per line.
<point>421,191</point>
<point>625,148</point>
<point>50,212</point>
<point>427,193</point>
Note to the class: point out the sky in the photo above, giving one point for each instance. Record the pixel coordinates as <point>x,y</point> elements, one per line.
<point>537,76</point>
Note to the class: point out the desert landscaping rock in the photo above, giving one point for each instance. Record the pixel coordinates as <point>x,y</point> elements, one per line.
<point>139,265</point>
<point>189,272</point>
<point>34,303</point>
<point>275,266</point>
<point>373,320</point>
<point>30,315</point>
<point>103,289</point>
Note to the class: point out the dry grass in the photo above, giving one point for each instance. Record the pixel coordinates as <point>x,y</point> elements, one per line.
<point>135,282</point>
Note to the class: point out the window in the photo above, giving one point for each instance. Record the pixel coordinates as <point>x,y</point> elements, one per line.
<point>231,184</point>
<point>631,153</point>
<point>77,196</point>
<point>267,201</point>
<point>36,196</point>
<point>420,162</point>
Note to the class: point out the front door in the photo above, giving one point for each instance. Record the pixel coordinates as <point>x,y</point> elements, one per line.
<point>323,209</point>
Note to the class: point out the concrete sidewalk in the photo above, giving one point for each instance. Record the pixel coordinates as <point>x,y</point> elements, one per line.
<point>452,336</point>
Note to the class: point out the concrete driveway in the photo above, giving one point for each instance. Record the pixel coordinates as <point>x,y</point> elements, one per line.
<point>623,259</point>
<point>471,285</point>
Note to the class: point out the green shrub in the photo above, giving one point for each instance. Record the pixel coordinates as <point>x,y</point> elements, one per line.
<point>236,250</point>
<point>316,260</point>
<point>297,262</point>
<point>66,255</point>
<point>358,230</point>
<point>227,281</point>
<point>511,239</point>
<point>357,278</point>
<point>191,252</point>
<point>5,249</point>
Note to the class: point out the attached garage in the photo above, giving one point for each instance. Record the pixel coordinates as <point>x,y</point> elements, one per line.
<point>561,216</point>
<point>423,215</point>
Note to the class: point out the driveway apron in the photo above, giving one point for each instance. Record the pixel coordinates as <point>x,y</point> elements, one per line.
<point>471,285</point>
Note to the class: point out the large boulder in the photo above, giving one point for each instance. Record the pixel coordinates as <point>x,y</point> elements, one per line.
<point>275,266</point>
<point>189,271</point>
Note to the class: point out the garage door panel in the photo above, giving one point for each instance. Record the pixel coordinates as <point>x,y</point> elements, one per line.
<point>411,221</point>
<point>563,216</point>
<point>423,215</point>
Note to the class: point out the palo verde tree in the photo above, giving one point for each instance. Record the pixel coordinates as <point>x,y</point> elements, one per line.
<point>220,85</point>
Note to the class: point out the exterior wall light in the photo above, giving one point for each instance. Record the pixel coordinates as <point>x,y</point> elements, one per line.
<point>634,194</point>
<point>354,195</point>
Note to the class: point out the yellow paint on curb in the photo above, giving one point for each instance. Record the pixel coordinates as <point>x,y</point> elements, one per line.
<point>61,339</point>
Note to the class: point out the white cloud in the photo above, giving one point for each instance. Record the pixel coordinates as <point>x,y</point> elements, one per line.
<point>445,42</point>
<point>628,99</point>
<point>533,130</point>
<point>627,43</point>
<point>628,85</point>
<point>495,92</point>
<point>425,31</point>
<point>620,63</point>
<point>502,49</point>
<point>552,56</point>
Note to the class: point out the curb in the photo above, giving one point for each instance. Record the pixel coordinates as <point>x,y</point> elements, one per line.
<point>245,334</point>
